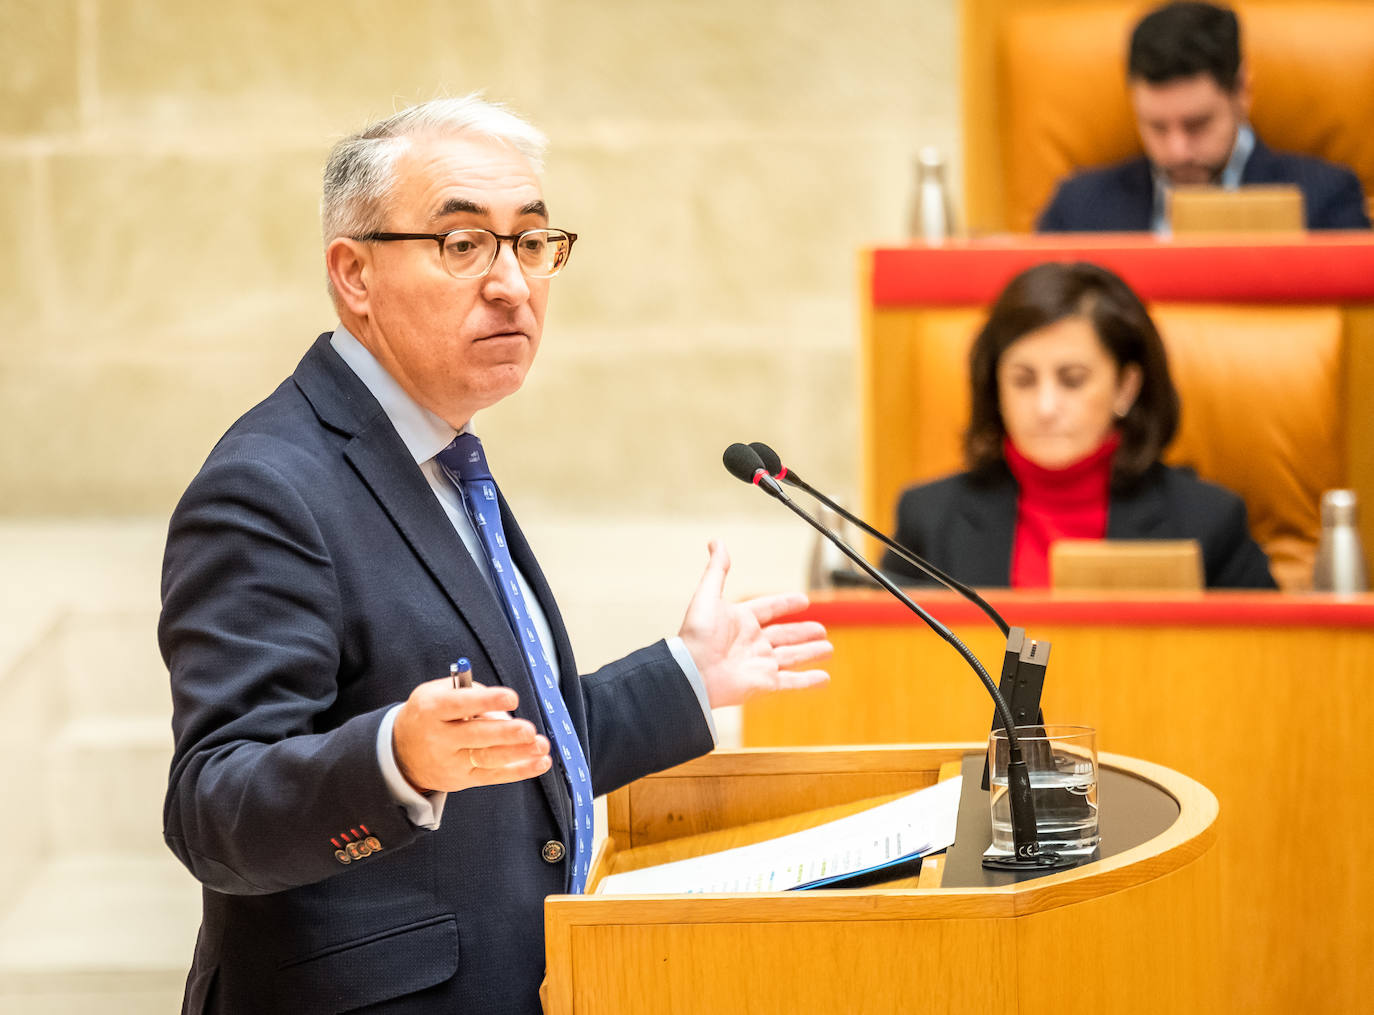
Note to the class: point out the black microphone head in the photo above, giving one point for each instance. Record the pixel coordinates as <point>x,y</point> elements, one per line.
<point>773,463</point>
<point>742,462</point>
<point>769,457</point>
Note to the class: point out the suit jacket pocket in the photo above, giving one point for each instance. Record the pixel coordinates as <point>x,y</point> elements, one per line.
<point>379,967</point>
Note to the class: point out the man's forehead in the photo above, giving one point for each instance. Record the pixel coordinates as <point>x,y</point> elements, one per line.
<point>1200,89</point>
<point>446,176</point>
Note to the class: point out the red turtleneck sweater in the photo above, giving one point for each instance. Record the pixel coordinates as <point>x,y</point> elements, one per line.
<point>1067,503</point>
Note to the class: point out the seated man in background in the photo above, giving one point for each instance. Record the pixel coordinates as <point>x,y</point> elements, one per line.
<point>1072,405</point>
<point>1190,91</point>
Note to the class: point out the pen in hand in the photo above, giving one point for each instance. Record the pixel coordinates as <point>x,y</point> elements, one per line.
<point>461,675</point>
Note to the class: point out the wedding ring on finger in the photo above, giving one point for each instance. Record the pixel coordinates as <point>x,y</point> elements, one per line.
<point>472,759</point>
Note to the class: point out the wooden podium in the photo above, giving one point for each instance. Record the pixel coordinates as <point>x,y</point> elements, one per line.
<point>1261,696</point>
<point>1133,931</point>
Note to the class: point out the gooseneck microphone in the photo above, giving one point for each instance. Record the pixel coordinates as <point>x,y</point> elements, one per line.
<point>745,464</point>
<point>773,463</point>
<point>1023,664</point>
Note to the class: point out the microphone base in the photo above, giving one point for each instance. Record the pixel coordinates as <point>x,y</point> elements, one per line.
<point>1045,861</point>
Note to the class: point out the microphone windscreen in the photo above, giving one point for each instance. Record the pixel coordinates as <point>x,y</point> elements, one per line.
<point>768,457</point>
<point>742,462</point>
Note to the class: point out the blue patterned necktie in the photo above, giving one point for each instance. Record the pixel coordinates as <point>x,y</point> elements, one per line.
<point>466,467</point>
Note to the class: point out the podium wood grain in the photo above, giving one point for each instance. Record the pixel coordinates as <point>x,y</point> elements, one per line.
<point>1270,715</point>
<point>1136,932</point>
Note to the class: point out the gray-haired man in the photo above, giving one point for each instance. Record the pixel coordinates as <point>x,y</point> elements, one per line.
<point>369,835</point>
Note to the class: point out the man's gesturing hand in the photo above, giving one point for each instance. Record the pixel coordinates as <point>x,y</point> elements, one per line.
<point>448,738</point>
<point>737,647</point>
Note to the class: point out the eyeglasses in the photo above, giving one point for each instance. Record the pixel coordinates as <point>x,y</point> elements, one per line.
<point>470,253</point>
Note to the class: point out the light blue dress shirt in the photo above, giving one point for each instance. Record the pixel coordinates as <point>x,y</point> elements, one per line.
<point>425,435</point>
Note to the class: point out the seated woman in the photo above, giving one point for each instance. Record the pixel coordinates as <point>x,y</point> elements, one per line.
<point>1072,406</point>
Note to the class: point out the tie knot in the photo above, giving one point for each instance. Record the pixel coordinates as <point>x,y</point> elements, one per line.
<point>464,458</point>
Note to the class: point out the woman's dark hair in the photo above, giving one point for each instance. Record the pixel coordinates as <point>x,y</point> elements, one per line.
<point>1048,293</point>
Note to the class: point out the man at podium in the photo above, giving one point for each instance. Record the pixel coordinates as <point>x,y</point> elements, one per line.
<point>385,758</point>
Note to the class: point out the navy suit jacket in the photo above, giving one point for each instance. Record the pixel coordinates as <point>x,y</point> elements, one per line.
<point>311,581</point>
<point>964,524</point>
<point>1120,198</point>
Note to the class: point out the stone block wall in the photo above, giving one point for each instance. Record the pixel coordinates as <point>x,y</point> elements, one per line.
<point>722,161</point>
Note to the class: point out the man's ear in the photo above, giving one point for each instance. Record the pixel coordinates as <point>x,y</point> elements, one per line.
<point>349,264</point>
<point>1243,94</point>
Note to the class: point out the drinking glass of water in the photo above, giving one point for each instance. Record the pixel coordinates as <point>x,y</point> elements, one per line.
<point>1062,761</point>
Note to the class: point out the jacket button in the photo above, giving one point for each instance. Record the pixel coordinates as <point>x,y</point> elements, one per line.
<point>553,851</point>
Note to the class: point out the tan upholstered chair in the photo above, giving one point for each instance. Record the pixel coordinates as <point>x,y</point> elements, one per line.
<point>1045,93</point>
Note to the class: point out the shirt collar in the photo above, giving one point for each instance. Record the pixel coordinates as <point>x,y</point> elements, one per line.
<point>1240,155</point>
<point>423,433</point>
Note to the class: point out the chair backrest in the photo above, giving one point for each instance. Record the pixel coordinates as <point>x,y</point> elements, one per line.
<point>1045,92</point>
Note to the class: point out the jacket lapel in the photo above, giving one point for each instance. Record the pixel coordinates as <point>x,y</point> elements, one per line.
<point>1261,166</point>
<point>1139,513</point>
<point>385,465</point>
<point>1138,183</point>
<point>381,459</point>
<point>987,525</point>
<point>524,559</point>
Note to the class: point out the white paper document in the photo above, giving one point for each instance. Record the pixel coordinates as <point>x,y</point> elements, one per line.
<point>884,836</point>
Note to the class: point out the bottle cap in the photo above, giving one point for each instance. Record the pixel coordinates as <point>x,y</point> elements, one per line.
<point>929,157</point>
<point>1339,507</point>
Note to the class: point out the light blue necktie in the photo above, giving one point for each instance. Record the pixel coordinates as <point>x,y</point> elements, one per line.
<point>466,467</point>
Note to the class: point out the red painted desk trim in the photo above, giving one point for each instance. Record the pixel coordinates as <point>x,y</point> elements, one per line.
<point>1330,268</point>
<point>1222,609</point>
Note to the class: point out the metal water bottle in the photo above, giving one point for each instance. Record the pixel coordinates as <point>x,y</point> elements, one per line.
<point>828,566</point>
<point>1340,557</point>
<point>932,216</point>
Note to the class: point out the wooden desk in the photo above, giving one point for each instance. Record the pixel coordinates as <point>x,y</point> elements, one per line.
<point>1262,697</point>
<point>1133,932</point>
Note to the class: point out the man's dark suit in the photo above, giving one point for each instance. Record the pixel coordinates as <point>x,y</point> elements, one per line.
<point>1120,198</point>
<point>965,524</point>
<point>311,581</point>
